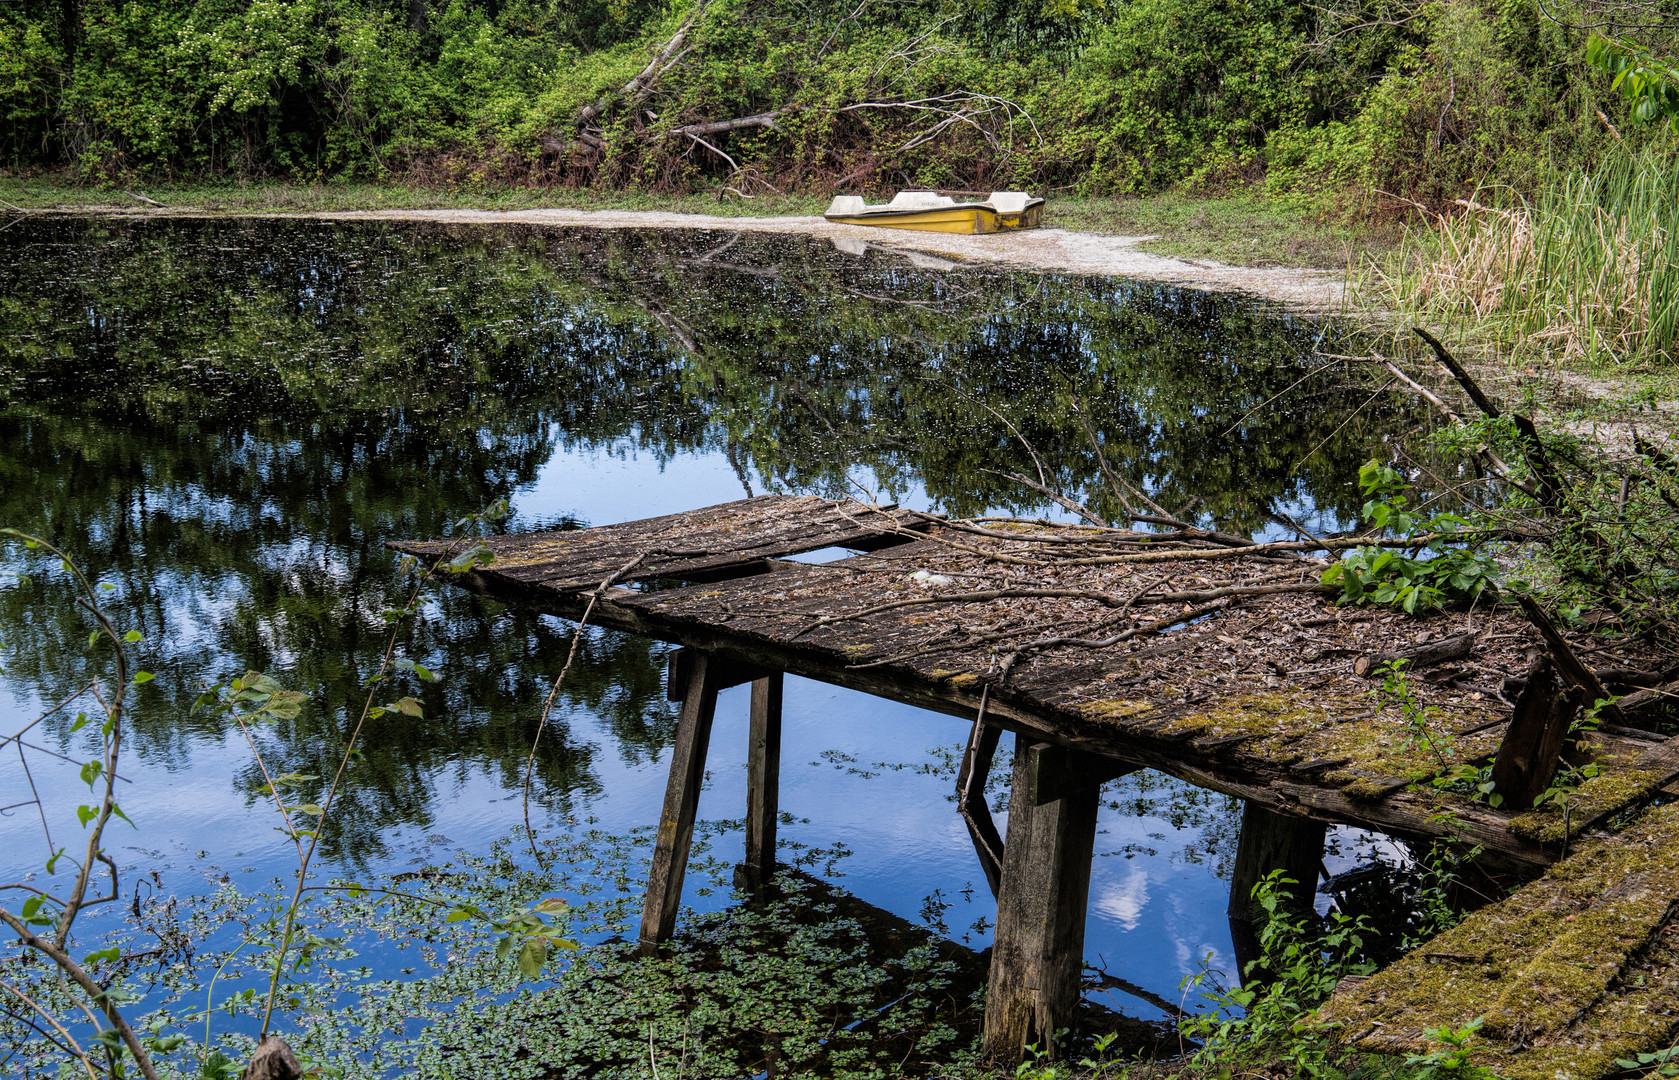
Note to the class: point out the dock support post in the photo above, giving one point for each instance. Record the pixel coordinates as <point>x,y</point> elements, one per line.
<point>763,771</point>
<point>970,801</point>
<point>1271,841</point>
<point>682,796</point>
<point>1038,958</point>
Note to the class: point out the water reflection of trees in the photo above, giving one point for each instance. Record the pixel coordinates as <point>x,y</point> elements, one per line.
<point>230,417</point>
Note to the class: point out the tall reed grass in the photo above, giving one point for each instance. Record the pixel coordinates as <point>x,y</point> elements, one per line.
<point>1587,269</point>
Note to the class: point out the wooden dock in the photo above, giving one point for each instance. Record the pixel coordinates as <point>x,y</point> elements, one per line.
<point>1205,656</point>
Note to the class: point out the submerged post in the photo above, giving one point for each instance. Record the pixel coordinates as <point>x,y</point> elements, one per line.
<point>970,801</point>
<point>763,771</point>
<point>1271,841</point>
<point>1039,953</point>
<point>682,796</point>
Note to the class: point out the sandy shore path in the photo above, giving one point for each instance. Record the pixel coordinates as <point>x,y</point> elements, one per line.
<point>1311,291</point>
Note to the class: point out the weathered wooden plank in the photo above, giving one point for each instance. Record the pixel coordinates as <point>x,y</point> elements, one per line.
<point>1038,957</point>
<point>1533,744</point>
<point>708,544</point>
<point>1654,771</point>
<point>883,623</point>
<point>1661,761</point>
<point>1557,971</point>
<point>682,796</point>
<point>1569,664</point>
<point>1403,813</point>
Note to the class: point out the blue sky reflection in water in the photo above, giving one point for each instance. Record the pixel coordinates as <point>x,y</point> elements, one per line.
<point>226,419</point>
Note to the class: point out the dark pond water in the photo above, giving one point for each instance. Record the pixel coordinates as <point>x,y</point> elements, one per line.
<point>226,419</point>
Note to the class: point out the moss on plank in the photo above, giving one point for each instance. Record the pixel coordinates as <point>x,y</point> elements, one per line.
<point>1543,967</point>
<point>1604,793</point>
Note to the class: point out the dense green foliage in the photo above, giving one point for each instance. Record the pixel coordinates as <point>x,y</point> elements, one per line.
<point>1416,98</point>
<point>1443,566</point>
<point>1651,84</point>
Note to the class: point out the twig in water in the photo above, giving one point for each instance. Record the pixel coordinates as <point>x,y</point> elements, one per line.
<point>1102,461</point>
<point>1350,418</point>
<point>1043,476</point>
<point>1225,434</point>
<point>553,692</point>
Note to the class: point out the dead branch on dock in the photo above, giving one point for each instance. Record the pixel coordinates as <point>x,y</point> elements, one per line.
<point>1599,517</point>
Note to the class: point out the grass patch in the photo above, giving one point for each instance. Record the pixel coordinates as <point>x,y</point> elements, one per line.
<point>1584,275</point>
<point>1247,228</point>
<point>49,192</point>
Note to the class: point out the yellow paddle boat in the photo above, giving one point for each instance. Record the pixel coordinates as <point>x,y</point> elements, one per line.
<point>928,211</point>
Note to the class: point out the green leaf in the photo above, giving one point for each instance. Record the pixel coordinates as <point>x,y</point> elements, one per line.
<point>86,814</point>
<point>532,956</point>
<point>108,956</point>
<point>132,636</point>
<point>285,704</point>
<point>143,677</point>
<point>476,555</point>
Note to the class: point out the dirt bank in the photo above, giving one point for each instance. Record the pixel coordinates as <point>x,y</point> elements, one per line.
<point>1038,249</point>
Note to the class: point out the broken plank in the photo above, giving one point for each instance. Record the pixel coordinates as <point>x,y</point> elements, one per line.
<point>710,543</point>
